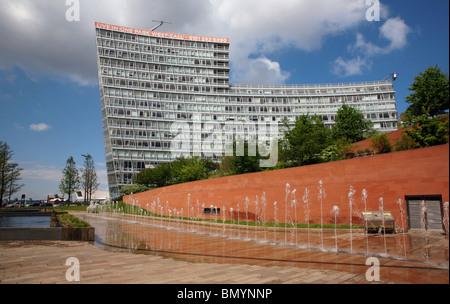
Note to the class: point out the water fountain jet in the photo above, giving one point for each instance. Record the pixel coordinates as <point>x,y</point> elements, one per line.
<point>335,213</point>
<point>286,207</point>
<point>383,225</point>
<point>275,210</point>
<point>366,232</point>
<point>400,204</point>
<point>322,195</point>
<point>238,224</point>
<point>307,203</point>
<point>423,216</point>
<point>294,205</point>
<point>445,220</point>
<point>246,213</point>
<point>223,220</point>
<point>351,193</point>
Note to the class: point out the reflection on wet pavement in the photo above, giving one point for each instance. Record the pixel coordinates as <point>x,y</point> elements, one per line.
<point>218,243</point>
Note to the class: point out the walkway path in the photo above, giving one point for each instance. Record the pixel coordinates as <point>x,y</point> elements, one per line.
<point>159,256</point>
<point>44,262</point>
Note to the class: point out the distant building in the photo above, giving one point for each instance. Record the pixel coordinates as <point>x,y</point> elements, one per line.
<point>55,199</point>
<point>97,196</point>
<point>151,80</point>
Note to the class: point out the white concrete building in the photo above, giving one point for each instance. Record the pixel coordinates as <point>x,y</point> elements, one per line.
<point>151,80</point>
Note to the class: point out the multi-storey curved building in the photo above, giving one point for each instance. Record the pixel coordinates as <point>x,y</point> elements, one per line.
<point>151,80</point>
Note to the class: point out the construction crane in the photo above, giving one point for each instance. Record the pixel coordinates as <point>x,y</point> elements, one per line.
<point>160,24</point>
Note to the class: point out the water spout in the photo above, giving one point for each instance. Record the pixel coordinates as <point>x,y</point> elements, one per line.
<point>335,213</point>
<point>351,194</point>
<point>322,195</point>
<point>307,203</point>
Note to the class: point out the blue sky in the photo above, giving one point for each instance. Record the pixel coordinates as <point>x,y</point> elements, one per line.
<point>49,97</point>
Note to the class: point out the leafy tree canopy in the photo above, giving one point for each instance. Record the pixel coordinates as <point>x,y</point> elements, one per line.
<point>180,170</point>
<point>9,173</point>
<point>430,94</point>
<point>71,179</point>
<point>351,125</point>
<point>128,189</point>
<point>306,141</point>
<point>429,132</point>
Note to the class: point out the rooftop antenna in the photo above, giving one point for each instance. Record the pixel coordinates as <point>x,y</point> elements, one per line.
<point>394,76</point>
<point>159,25</point>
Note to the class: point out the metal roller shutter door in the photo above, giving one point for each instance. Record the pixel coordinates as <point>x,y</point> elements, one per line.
<point>434,212</point>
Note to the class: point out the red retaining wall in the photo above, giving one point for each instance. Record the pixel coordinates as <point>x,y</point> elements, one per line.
<point>389,176</point>
<point>392,136</point>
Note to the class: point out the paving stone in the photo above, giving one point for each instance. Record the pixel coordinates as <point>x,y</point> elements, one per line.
<point>165,257</point>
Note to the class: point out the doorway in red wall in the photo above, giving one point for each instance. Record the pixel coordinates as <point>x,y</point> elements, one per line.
<point>424,211</point>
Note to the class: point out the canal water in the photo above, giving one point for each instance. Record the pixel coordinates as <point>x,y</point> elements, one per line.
<point>25,221</point>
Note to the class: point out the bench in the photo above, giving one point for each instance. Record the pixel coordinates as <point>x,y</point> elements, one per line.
<point>373,220</point>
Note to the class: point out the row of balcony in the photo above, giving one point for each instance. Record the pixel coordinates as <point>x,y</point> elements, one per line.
<point>209,92</point>
<point>188,62</point>
<point>166,51</point>
<point>160,41</point>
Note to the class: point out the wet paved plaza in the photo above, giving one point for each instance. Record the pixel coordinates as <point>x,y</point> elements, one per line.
<point>219,243</point>
<point>137,249</point>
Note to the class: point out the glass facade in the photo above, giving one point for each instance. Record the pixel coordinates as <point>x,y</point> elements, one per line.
<point>151,80</point>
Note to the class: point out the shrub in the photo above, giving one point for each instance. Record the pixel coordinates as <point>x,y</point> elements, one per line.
<point>128,189</point>
<point>381,144</point>
<point>405,142</point>
<point>69,220</point>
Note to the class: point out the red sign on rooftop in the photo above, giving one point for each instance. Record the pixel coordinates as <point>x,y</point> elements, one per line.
<point>130,30</point>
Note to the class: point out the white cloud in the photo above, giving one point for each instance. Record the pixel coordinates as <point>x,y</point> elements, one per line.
<point>259,27</point>
<point>394,30</point>
<point>351,67</point>
<point>268,24</point>
<point>33,171</point>
<point>39,40</point>
<point>366,48</point>
<point>102,178</point>
<point>40,127</point>
<point>264,71</point>
<point>39,179</point>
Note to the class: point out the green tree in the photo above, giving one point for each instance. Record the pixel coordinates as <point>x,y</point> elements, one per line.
<point>351,125</point>
<point>339,149</point>
<point>306,141</point>
<point>159,176</point>
<point>246,163</point>
<point>226,166</point>
<point>9,172</point>
<point>430,94</point>
<point>210,166</point>
<point>180,170</point>
<point>193,171</point>
<point>70,180</point>
<point>14,177</point>
<point>188,169</point>
<point>241,164</point>
<point>89,180</point>
<point>429,132</point>
<point>135,188</point>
